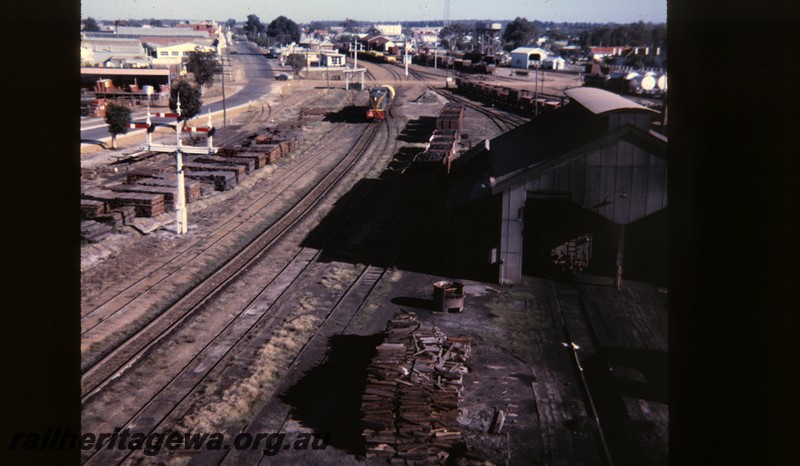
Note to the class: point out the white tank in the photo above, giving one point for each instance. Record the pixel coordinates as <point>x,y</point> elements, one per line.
<point>661,82</point>
<point>147,89</point>
<point>648,83</point>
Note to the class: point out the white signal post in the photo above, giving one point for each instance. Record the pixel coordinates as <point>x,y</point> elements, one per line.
<point>405,60</point>
<point>181,216</point>
<point>355,53</point>
<point>181,219</point>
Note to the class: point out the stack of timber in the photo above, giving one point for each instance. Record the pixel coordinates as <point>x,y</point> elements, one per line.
<point>146,204</point>
<point>259,159</point>
<point>237,170</point>
<point>410,404</point>
<point>222,180</point>
<point>273,152</point>
<point>273,147</point>
<point>167,192</point>
<point>248,164</point>
<point>118,217</point>
<point>91,208</point>
<point>191,187</point>
<point>94,232</point>
<point>153,172</point>
<point>128,213</point>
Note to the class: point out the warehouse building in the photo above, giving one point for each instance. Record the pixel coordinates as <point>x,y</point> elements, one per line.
<point>589,179</point>
<point>526,57</point>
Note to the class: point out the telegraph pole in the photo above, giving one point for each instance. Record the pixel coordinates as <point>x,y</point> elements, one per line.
<point>224,112</point>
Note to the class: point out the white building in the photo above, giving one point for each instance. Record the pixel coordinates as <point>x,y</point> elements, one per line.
<point>174,54</point>
<point>426,35</point>
<point>525,57</point>
<point>554,63</point>
<point>389,29</point>
<point>333,59</point>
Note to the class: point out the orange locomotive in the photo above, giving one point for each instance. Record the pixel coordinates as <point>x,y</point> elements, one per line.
<point>380,98</point>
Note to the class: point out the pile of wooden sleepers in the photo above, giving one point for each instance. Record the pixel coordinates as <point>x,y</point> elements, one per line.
<point>145,204</point>
<point>263,145</point>
<point>410,403</point>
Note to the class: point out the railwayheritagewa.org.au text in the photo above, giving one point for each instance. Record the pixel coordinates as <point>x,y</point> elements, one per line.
<point>151,444</point>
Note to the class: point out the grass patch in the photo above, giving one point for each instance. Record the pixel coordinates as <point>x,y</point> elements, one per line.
<point>238,403</point>
<point>340,276</point>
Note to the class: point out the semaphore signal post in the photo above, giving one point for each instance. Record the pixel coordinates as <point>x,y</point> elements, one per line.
<point>181,218</point>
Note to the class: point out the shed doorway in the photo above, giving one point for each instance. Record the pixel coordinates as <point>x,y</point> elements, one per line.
<point>549,224</point>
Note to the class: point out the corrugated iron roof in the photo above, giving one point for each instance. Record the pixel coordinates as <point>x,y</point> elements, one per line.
<point>530,50</point>
<point>599,101</point>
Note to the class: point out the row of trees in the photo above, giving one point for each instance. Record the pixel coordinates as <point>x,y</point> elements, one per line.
<point>281,30</point>
<point>625,34</point>
<point>517,33</point>
<point>522,32</point>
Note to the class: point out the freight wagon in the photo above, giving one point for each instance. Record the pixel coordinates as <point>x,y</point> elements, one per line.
<point>520,99</point>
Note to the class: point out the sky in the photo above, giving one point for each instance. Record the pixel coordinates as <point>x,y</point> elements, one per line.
<point>304,11</point>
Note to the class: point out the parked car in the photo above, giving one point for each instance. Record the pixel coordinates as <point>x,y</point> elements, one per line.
<point>283,77</point>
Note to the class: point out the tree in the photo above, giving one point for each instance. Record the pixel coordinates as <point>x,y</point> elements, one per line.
<point>203,65</point>
<point>156,23</point>
<point>90,25</point>
<point>602,36</point>
<point>621,35</point>
<point>254,25</point>
<point>520,32</point>
<point>373,31</point>
<point>585,40</point>
<point>297,61</point>
<point>640,34</point>
<point>118,118</point>
<point>284,29</point>
<point>452,35</point>
<point>350,25</point>
<point>190,99</point>
<point>659,36</point>
<point>231,23</point>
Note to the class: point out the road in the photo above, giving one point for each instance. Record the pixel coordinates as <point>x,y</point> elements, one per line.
<point>259,74</point>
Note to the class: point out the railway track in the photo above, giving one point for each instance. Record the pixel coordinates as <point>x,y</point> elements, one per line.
<point>504,121</point>
<point>164,401</point>
<point>115,303</point>
<point>96,372</point>
<point>336,321</point>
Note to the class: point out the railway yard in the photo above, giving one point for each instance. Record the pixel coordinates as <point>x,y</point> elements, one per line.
<point>313,235</point>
